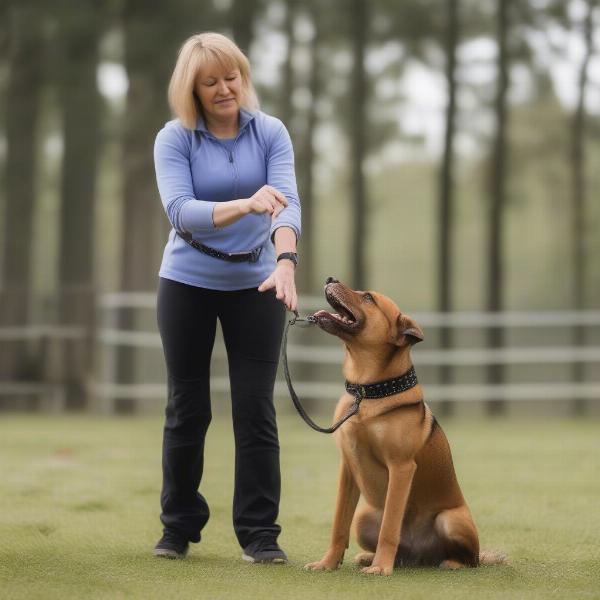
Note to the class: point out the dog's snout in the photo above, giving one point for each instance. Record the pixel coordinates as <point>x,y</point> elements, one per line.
<point>331,280</point>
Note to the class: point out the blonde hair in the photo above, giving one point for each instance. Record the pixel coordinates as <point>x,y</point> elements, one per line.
<point>199,50</point>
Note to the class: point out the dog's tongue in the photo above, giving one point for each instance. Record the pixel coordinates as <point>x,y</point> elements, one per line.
<point>336,316</point>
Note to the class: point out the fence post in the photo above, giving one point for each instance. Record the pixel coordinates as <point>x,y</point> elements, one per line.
<point>16,364</point>
<point>579,405</point>
<point>107,354</point>
<point>52,355</point>
<point>77,310</point>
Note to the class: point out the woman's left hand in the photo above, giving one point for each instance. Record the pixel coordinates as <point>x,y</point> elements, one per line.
<point>282,279</point>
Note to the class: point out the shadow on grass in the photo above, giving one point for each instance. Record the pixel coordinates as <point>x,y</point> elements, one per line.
<point>91,506</point>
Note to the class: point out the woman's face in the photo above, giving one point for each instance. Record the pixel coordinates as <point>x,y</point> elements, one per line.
<point>219,92</point>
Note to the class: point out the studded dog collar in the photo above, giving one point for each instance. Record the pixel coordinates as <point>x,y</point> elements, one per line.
<point>381,389</point>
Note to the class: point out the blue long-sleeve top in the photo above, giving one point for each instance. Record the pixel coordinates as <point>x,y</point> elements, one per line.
<point>195,170</point>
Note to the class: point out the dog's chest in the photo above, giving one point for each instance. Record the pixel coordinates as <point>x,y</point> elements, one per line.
<point>359,449</point>
<point>350,440</point>
<point>357,441</point>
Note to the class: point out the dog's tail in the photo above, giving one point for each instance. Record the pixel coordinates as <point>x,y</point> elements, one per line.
<point>492,557</point>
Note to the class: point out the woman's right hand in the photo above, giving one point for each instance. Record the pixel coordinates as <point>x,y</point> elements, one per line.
<point>266,200</point>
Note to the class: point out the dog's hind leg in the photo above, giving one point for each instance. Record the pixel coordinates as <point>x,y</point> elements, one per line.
<point>366,524</point>
<point>451,565</point>
<point>364,559</point>
<point>459,538</point>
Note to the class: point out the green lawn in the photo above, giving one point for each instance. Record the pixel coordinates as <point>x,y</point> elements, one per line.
<point>79,514</point>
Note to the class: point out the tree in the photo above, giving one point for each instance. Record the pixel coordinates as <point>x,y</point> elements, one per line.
<point>498,176</point>
<point>357,137</point>
<point>23,92</point>
<point>79,29</point>
<point>242,22</point>
<point>578,193</point>
<point>307,153</point>
<point>286,107</point>
<point>149,65</point>
<point>446,189</point>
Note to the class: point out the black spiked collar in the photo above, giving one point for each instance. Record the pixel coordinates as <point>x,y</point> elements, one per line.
<point>381,389</point>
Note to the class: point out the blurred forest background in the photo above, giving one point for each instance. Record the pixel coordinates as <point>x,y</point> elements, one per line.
<point>447,154</point>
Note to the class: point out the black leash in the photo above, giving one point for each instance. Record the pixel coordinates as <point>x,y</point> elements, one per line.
<point>358,395</point>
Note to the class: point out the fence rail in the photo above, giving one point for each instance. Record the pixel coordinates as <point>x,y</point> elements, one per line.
<point>37,332</point>
<point>109,339</point>
<point>453,357</point>
<point>332,391</point>
<point>509,318</point>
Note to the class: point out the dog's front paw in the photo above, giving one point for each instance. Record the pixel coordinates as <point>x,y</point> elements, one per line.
<point>378,570</point>
<point>322,565</point>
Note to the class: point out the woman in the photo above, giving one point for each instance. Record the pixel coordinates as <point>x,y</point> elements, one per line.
<point>225,173</point>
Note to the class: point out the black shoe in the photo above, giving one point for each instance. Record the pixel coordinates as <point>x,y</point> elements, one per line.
<point>264,550</point>
<point>171,545</point>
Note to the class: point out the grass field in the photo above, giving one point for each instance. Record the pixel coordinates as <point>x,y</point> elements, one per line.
<point>79,514</point>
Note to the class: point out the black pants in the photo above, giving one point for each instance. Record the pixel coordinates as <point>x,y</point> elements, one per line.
<point>252,324</point>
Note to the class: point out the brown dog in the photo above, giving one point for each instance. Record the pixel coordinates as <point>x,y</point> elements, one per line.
<point>394,453</point>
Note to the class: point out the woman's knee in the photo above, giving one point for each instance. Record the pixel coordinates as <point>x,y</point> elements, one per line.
<point>255,424</point>
<point>188,411</point>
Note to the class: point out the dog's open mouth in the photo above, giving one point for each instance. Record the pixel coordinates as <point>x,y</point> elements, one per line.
<point>344,317</point>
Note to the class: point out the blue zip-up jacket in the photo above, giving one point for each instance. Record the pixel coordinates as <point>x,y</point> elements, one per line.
<point>194,170</point>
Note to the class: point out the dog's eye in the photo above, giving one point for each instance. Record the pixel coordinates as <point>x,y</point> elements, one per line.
<point>368,298</point>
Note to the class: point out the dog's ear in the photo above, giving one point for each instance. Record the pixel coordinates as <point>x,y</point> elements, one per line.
<point>407,331</point>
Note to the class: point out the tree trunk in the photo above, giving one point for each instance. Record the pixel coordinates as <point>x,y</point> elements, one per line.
<point>81,111</point>
<point>242,19</point>
<point>357,128</point>
<point>150,55</point>
<point>22,117</point>
<point>304,170</point>
<point>495,285</point>
<point>286,110</point>
<point>578,194</point>
<point>307,160</point>
<point>4,48</point>
<point>446,197</point>
<point>148,66</point>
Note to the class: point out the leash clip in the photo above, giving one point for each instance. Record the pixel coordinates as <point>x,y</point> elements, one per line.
<point>297,320</point>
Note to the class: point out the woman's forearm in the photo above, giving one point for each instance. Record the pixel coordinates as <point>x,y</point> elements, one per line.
<point>285,240</point>
<point>227,213</point>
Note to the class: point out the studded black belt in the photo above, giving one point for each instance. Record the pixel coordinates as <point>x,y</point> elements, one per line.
<point>251,256</point>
